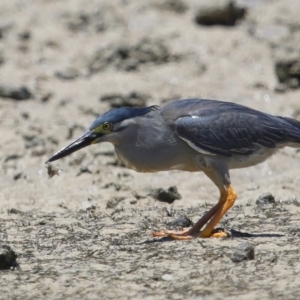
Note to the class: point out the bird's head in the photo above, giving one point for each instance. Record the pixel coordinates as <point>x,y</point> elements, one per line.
<point>109,127</point>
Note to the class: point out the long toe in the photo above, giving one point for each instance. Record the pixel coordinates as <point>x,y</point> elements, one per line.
<point>159,233</point>
<point>185,236</point>
<point>189,234</point>
<point>169,233</point>
<point>181,237</point>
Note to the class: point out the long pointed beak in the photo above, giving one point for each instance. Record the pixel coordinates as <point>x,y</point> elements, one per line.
<point>86,139</point>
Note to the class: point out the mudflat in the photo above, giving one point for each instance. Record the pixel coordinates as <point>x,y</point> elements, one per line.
<point>86,234</point>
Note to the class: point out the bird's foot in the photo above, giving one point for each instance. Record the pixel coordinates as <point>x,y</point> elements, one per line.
<point>169,233</point>
<point>189,234</point>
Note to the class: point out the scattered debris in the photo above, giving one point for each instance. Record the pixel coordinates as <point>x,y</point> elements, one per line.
<point>5,28</point>
<point>129,57</point>
<point>12,157</point>
<point>8,258</point>
<point>133,99</point>
<point>78,22</point>
<point>114,201</point>
<point>45,97</point>
<point>19,175</point>
<point>288,73</point>
<point>244,251</point>
<point>33,140</point>
<point>224,13</point>
<point>15,211</point>
<point>16,93</point>
<point>96,20</point>
<point>181,221</point>
<point>2,57</point>
<point>163,195</point>
<point>84,169</point>
<point>176,6</point>
<point>25,35</point>
<point>114,185</point>
<point>67,74</point>
<point>265,198</point>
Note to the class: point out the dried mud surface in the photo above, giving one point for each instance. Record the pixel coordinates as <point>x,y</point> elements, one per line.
<point>86,234</point>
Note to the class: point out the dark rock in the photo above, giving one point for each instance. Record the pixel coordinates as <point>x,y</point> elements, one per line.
<point>16,93</point>
<point>265,198</point>
<point>7,258</point>
<point>2,57</point>
<point>294,230</point>
<point>288,72</point>
<point>5,28</point>
<point>129,57</point>
<point>168,196</point>
<point>182,222</point>
<point>97,20</point>
<point>84,169</point>
<point>67,74</point>
<point>177,6</point>
<point>224,13</point>
<point>24,35</point>
<point>133,99</point>
<point>15,211</point>
<point>12,157</point>
<point>245,251</point>
<point>114,185</point>
<point>25,115</point>
<point>78,22</point>
<point>18,176</point>
<point>46,97</point>
<point>114,201</point>
<point>33,141</point>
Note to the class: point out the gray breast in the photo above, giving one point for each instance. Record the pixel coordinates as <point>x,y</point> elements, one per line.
<point>155,147</point>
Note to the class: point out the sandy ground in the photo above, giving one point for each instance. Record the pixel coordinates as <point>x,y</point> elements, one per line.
<point>86,234</point>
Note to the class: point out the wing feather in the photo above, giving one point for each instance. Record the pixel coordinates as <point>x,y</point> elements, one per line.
<point>231,133</point>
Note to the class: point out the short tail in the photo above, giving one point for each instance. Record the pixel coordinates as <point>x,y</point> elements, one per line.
<point>294,130</point>
<point>291,121</point>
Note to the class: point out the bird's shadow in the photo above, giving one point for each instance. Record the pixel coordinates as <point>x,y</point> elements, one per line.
<point>240,234</point>
<point>231,234</point>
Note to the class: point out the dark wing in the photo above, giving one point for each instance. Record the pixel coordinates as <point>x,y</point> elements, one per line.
<point>233,130</point>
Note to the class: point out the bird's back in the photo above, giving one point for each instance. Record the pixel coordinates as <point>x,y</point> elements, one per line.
<point>226,128</point>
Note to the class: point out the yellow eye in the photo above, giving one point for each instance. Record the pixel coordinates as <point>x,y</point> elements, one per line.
<point>107,126</point>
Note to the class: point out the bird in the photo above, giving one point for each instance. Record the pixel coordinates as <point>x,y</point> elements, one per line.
<point>195,135</point>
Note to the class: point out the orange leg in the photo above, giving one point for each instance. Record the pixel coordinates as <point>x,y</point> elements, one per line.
<point>213,216</point>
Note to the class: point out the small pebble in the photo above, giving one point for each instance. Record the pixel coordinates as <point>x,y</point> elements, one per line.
<point>7,258</point>
<point>265,198</point>
<point>168,196</point>
<point>167,277</point>
<point>244,251</point>
<point>182,222</point>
